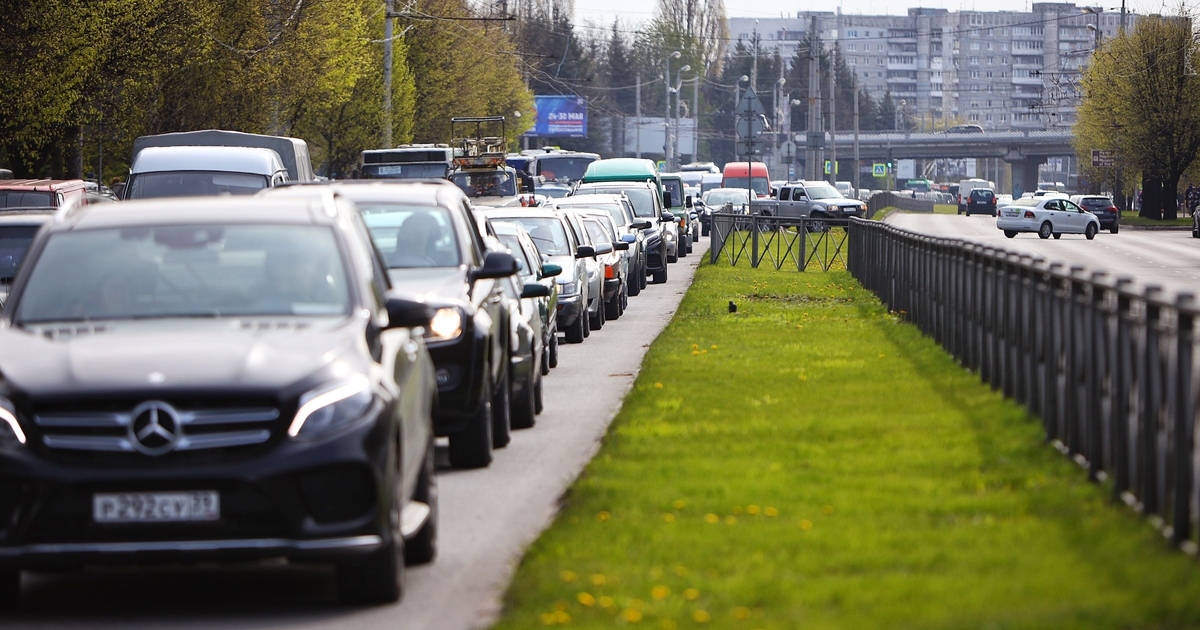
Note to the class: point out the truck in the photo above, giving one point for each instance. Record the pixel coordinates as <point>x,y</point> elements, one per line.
<point>480,167</point>
<point>214,161</point>
<point>408,161</point>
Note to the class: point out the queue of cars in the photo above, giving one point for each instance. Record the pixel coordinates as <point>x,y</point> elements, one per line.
<point>239,377</point>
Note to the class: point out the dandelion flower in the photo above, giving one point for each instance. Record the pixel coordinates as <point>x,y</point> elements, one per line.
<point>585,598</point>
<point>680,570</point>
<point>668,517</point>
<point>660,592</point>
<point>711,518</point>
<point>805,524</point>
<point>704,352</point>
<point>547,619</point>
<point>695,346</point>
<point>658,386</point>
<point>714,346</point>
<point>731,520</point>
<point>678,504</point>
<point>770,511</point>
<point>752,510</point>
<point>567,576</point>
<point>598,579</point>
<point>606,602</point>
<point>827,510</point>
<point>632,615</point>
<point>668,624</point>
<point>691,594</point>
<point>701,616</point>
<point>602,516</point>
<point>561,617</point>
<point>695,353</point>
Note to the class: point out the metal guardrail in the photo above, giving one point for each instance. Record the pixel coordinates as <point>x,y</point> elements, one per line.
<point>1110,369</point>
<point>779,241</point>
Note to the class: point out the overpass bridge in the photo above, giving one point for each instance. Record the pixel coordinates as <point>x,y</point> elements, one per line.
<point>1023,150</point>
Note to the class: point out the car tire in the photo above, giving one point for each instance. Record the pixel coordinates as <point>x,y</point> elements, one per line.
<point>612,308</point>
<point>545,362</point>
<point>596,322</point>
<point>1090,231</point>
<point>1195,233</point>
<point>993,214</point>
<point>554,350</point>
<point>525,411</point>
<point>673,258</point>
<point>422,547</point>
<point>377,578</point>
<point>642,279</point>
<point>10,588</point>
<point>472,447</point>
<point>1057,235</point>
<point>1010,233</point>
<point>502,411</point>
<point>660,277</point>
<point>539,403</point>
<point>1045,230</point>
<point>575,332</point>
<point>1115,228</point>
<point>704,231</point>
<point>635,285</point>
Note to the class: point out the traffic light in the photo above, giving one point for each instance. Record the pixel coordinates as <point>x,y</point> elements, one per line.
<point>889,160</point>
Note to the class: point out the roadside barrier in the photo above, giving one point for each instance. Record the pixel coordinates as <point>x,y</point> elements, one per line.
<point>1111,369</point>
<point>778,241</point>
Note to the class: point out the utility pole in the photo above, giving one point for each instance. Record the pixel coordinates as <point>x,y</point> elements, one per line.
<point>637,109</point>
<point>754,63</point>
<point>814,107</point>
<point>696,119</point>
<point>388,10</point>
<point>857,165</point>
<point>833,125</point>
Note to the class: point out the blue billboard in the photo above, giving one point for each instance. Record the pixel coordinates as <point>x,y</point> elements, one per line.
<point>562,116</point>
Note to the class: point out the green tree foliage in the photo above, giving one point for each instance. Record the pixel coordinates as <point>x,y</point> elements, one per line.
<point>1142,99</point>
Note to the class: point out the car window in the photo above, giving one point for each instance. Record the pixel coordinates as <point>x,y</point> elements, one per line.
<point>1053,205</point>
<point>412,236</point>
<point>822,191</point>
<point>204,271</point>
<point>195,183</point>
<point>1070,207</point>
<point>641,197</point>
<point>14,241</point>
<point>596,231</point>
<point>513,243</point>
<point>547,233</point>
<point>785,194</point>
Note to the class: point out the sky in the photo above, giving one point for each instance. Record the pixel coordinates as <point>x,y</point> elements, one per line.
<point>603,12</point>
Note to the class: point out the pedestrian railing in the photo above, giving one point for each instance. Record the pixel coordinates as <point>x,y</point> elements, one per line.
<point>778,241</point>
<point>1111,369</point>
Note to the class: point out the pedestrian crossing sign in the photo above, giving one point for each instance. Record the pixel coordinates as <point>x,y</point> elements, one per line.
<point>879,170</point>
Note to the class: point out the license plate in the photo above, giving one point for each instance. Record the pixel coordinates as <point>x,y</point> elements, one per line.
<point>1010,213</point>
<point>156,507</point>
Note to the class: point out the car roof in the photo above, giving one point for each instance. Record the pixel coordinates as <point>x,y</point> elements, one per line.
<point>282,209</point>
<point>412,192</point>
<point>37,216</point>
<point>207,158</point>
<point>41,185</point>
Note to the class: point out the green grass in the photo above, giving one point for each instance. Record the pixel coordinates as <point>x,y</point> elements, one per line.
<point>1132,218</point>
<point>812,461</point>
<point>945,208</point>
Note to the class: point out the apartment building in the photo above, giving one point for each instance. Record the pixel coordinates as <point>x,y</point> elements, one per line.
<point>1000,69</point>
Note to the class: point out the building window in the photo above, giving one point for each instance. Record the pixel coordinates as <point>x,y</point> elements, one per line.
<point>852,47</point>
<point>989,74</point>
<point>974,74</point>
<point>974,45</point>
<point>974,61</point>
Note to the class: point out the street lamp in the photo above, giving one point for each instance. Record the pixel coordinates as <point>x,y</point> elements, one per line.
<point>667,107</point>
<point>675,137</point>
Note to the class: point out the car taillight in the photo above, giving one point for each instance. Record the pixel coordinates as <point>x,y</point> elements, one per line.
<point>1112,208</point>
<point>1029,214</point>
<point>610,272</point>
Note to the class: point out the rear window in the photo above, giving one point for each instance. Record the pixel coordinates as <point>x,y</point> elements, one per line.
<point>1095,202</point>
<point>982,194</point>
<point>26,199</point>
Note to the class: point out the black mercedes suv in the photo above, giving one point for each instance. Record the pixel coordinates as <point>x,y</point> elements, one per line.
<point>219,379</point>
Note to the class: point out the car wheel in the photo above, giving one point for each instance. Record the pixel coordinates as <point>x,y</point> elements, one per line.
<point>539,404</point>
<point>554,350</point>
<point>660,277</point>
<point>704,231</point>
<point>635,285</point>
<point>422,547</point>
<point>968,212</point>
<point>596,322</point>
<point>10,588</point>
<point>525,411</point>
<point>575,332</point>
<point>1195,233</point>
<point>1115,228</point>
<point>545,362</point>
<point>472,447</point>
<point>1045,230</point>
<point>642,278</point>
<point>612,308</point>
<point>1010,233</point>
<point>1090,231</point>
<point>377,578</point>
<point>502,411</point>
<point>1057,235</point>
<point>993,214</point>
<point>673,258</point>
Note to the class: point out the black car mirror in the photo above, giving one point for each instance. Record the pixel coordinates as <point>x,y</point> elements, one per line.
<point>549,270</point>
<point>667,217</point>
<point>620,246</point>
<point>407,313</point>
<point>640,225</point>
<point>667,199</point>
<point>496,265</point>
<point>603,248</point>
<point>687,201</point>
<point>585,251</point>
<point>629,238</point>
<point>535,290</point>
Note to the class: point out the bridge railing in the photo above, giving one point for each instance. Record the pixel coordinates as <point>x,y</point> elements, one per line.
<point>1110,369</point>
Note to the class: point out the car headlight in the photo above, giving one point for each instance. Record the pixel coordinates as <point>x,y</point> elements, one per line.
<point>567,288</point>
<point>331,407</point>
<point>10,429</point>
<point>670,236</point>
<point>446,323</point>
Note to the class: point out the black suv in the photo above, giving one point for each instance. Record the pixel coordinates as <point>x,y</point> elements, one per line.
<point>981,200</point>
<point>214,380</point>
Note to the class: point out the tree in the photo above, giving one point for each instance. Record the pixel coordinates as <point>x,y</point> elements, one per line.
<point>1142,100</point>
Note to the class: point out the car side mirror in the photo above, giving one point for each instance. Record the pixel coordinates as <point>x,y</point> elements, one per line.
<point>496,265</point>
<point>549,270</point>
<point>535,290</point>
<point>667,217</point>
<point>640,225</point>
<point>667,199</point>
<point>620,245</point>
<point>407,313</point>
<point>585,251</point>
<point>687,201</point>
<point>603,248</point>
<point>629,238</point>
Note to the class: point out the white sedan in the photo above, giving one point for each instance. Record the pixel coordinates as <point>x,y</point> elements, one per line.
<point>1047,216</point>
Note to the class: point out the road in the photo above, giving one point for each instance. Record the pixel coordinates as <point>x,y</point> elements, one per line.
<point>1170,258</point>
<point>488,517</point>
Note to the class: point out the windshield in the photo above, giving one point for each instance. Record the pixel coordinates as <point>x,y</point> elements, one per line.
<point>557,192</point>
<point>26,199</point>
<point>410,236</point>
<point>547,233</point>
<point>642,198</point>
<point>721,197</point>
<point>822,191</point>
<point>760,184</point>
<point>436,170</point>
<point>597,231</point>
<point>513,243</point>
<point>562,168</point>
<point>186,271</point>
<point>194,183</point>
<point>14,241</point>
<point>485,183</point>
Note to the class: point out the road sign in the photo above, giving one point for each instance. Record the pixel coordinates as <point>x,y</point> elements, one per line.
<point>879,170</point>
<point>828,166</point>
<point>750,106</point>
<point>787,151</point>
<point>1106,158</point>
<point>815,139</point>
<point>749,127</point>
<point>743,147</point>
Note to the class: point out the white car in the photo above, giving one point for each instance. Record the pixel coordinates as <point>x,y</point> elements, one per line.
<point>1047,216</point>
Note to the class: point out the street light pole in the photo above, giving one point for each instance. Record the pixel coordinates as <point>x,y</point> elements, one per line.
<point>675,136</point>
<point>667,108</point>
<point>388,10</point>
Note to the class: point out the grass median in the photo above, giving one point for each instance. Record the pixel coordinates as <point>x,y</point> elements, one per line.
<point>812,461</point>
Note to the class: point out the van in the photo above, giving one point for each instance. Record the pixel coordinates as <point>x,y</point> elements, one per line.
<point>293,152</point>
<point>747,175</point>
<point>408,161</point>
<point>710,181</point>
<point>203,171</point>
<point>41,193</point>
<point>964,191</point>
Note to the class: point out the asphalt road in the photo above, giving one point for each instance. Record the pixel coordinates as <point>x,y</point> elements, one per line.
<point>488,517</point>
<point>1169,258</point>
